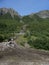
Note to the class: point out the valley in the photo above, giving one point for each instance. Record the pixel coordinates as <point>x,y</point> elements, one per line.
<point>24,40</point>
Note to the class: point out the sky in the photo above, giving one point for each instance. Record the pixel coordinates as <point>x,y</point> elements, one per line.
<point>25,7</point>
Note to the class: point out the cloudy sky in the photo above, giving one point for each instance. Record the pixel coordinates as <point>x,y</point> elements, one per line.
<point>25,7</point>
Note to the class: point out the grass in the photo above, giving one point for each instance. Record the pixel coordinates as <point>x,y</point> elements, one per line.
<point>21,40</point>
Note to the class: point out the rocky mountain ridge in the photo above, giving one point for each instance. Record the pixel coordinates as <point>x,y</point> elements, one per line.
<point>42,14</point>
<point>11,11</point>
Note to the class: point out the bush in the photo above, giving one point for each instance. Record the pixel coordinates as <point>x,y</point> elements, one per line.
<point>2,38</point>
<point>39,43</point>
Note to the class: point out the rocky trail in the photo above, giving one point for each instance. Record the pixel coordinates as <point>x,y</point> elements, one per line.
<point>13,54</point>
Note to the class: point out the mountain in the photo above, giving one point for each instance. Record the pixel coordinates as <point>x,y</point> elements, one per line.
<point>24,40</point>
<point>9,21</point>
<point>41,14</point>
<point>31,29</point>
<point>37,30</point>
<point>4,11</point>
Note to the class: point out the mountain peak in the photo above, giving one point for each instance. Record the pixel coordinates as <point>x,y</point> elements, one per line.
<point>43,14</point>
<point>8,10</point>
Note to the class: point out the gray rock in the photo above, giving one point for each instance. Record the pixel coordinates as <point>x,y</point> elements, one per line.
<point>8,10</point>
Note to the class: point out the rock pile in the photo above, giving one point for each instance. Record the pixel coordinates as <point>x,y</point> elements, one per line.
<point>7,45</point>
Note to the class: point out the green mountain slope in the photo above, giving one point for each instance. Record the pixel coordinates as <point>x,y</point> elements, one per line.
<point>9,22</point>
<point>35,28</point>
<point>37,31</point>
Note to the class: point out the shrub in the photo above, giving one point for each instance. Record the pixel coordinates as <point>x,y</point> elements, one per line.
<point>2,38</point>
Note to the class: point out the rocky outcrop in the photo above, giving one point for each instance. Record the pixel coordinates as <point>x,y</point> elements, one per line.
<point>8,10</point>
<point>7,45</point>
<point>43,14</point>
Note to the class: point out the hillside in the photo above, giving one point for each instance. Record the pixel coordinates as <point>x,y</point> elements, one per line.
<point>32,29</point>
<point>43,14</point>
<point>24,40</point>
<point>10,11</point>
<point>37,30</point>
<point>9,22</point>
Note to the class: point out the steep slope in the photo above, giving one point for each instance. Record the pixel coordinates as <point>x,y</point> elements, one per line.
<point>37,31</point>
<point>32,29</point>
<point>43,14</point>
<point>9,22</point>
<point>10,11</point>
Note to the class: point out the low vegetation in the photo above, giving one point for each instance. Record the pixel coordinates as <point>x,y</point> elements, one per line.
<point>36,30</point>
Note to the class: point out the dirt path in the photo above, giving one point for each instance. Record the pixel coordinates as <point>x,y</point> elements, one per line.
<point>27,55</point>
<point>24,56</point>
